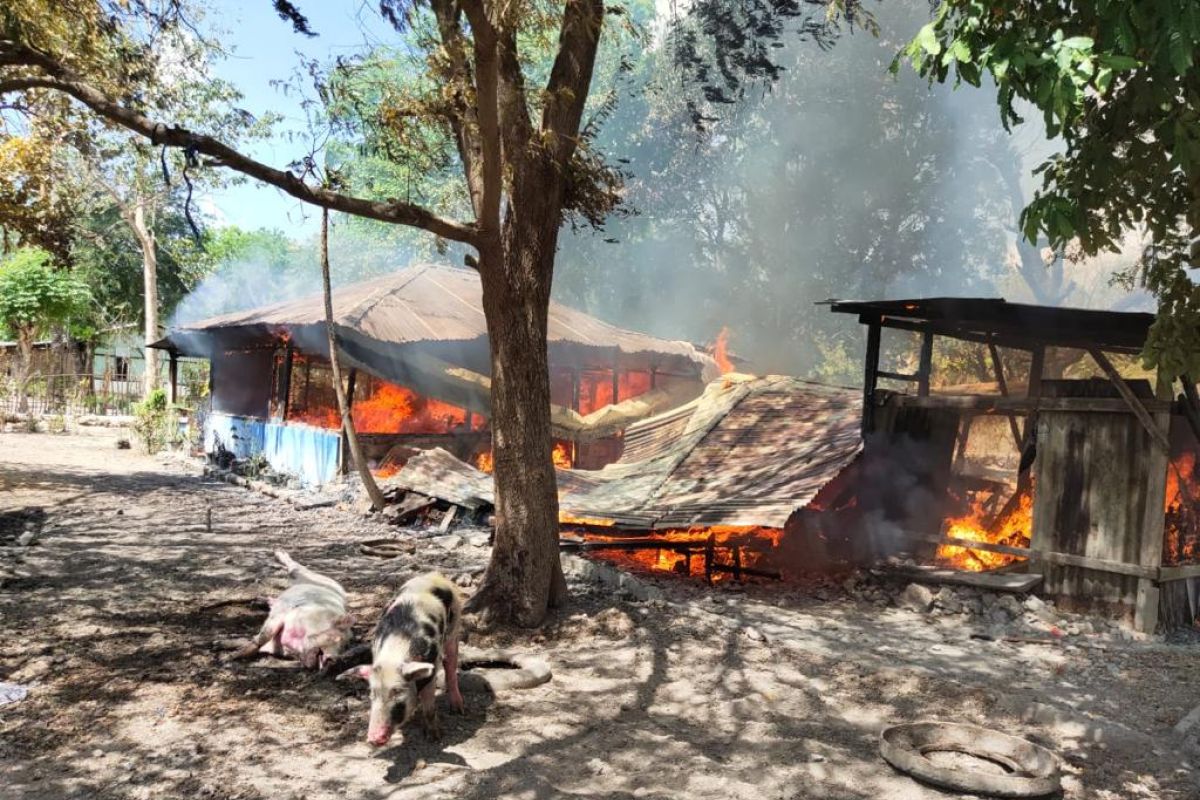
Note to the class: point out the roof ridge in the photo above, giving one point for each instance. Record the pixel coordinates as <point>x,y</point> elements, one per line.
<point>356,314</point>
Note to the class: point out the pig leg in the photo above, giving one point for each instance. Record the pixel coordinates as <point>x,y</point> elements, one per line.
<point>270,631</point>
<point>451,666</point>
<point>429,717</point>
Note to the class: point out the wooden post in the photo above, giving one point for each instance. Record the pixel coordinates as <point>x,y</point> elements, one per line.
<point>287,381</point>
<point>1145,611</point>
<point>1037,366</point>
<point>616,379</point>
<point>925,370</point>
<point>998,370</point>
<point>575,390</point>
<point>173,377</point>
<point>870,376</point>
<point>708,557</point>
<point>653,378</point>
<point>351,379</point>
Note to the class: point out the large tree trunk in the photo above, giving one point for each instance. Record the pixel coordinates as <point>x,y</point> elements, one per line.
<point>145,239</point>
<point>525,575</point>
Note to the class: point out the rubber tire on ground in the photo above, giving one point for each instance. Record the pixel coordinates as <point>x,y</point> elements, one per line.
<point>1034,769</point>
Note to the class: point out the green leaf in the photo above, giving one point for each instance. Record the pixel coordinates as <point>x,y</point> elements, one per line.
<point>927,40</point>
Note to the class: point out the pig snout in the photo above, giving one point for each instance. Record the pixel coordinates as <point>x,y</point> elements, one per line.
<point>379,736</point>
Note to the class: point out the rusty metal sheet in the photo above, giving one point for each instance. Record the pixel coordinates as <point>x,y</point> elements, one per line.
<point>431,303</point>
<point>749,451</point>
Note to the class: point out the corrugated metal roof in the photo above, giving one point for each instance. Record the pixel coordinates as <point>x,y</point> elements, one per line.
<point>427,303</point>
<point>749,451</point>
<point>982,316</point>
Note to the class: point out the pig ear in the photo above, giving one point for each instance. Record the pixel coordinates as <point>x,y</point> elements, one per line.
<point>416,670</point>
<point>362,671</point>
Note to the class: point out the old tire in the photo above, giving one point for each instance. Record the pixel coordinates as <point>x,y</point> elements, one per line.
<point>521,671</point>
<point>1032,771</point>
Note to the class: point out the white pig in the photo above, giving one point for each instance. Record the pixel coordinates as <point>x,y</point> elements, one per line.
<point>308,621</point>
<point>418,632</point>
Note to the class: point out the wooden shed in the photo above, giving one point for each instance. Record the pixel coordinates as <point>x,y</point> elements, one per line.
<point>1107,457</point>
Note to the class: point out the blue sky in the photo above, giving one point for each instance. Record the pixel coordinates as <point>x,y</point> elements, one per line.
<point>264,51</point>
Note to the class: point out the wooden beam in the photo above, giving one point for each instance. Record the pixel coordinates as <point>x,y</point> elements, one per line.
<point>1037,368</point>
<point>897,376</point>
<point>925,367</point>
<point>964,435</point>
<point>1065,559</point>
<point>1131,400</point>
<point>616,378</point>
<point>1003,335</point>
<point>998,371</point>
<point>870,377</point>
<point>1166,574</point>
<point>955,333</point>
<point>993,404</point>
<point>287,380</point>
<point>173,377</point>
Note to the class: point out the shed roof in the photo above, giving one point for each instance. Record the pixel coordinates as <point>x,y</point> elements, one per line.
<point>424,303</point>
<point>1019,322</point>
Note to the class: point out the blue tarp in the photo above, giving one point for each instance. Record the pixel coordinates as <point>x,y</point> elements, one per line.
<point>311,454</point>
<point>241,436</point>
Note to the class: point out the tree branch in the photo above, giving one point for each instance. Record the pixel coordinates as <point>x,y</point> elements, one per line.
<point>483,36</point>
<point>515,125</point>
<point>61,79</point>
<point>567,89</point>
<point>462,120</point>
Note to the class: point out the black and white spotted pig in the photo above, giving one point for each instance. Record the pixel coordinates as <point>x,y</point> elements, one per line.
<point>418,632</point>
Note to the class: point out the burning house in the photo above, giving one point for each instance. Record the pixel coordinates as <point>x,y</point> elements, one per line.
<point>1086,482</point>
<point>415,345</point>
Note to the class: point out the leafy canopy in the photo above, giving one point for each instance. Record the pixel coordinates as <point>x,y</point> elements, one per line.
<point>34,295</point>
<point>1118,83</point>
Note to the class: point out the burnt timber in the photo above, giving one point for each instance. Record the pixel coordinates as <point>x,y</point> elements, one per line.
<point>1098,450</point>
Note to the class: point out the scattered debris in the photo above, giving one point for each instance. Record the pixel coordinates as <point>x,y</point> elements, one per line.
<point>1019,582</point>
<point>12,693</point>
<point>916,598</point>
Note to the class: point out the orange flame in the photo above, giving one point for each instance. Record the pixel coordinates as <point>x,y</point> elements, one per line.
<point>1013,530</point>
<point>755,546</point>
<point>721,352</point>
<point>387,470</point>
<point>1182,538</point>
<point>390,409</point>
<point>561,456</point>
<point>596,388</point>
<point>486,461</point>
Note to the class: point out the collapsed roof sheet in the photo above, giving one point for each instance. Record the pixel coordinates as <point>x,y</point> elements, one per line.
<point>749,451</point>
<point>428,303</point>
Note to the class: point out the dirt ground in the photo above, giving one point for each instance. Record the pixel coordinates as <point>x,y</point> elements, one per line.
<point>112,619</point>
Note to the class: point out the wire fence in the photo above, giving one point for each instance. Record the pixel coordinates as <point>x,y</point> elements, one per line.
<point>81,394</point>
